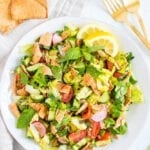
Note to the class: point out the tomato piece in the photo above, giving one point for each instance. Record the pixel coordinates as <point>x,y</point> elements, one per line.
<point>95,129</point>
<point>106,136</point>
<point>117,74</point>
<point>87,114</point>
<point>77,136</point>
<point>18,83</point>
<point>89,132</point>
<point>66,93</point>
<point>109,65</point>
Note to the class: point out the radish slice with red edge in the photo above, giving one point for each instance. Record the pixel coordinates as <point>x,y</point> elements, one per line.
<point>40,128</point>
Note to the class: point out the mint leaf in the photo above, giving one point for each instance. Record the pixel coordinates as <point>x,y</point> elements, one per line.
<point>24,78</point>
<point>25,118</point>
<point>93,71</point>
<point>72,54</point>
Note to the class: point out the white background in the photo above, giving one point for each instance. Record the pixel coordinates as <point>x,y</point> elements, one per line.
<point>93,9</point>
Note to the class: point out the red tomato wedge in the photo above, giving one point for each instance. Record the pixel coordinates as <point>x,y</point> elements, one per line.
<point>87,114</point>
<point>117,74</point>
<point>66,93</point>
<point>109,65</point>
<point>77,136</point>
<point>95,129</point>
<point>106,136</point>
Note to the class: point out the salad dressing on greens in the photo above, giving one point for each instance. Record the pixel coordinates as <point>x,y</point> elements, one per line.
<point>73,91</point>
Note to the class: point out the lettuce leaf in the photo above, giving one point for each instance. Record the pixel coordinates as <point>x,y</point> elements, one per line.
<point>25,118</point>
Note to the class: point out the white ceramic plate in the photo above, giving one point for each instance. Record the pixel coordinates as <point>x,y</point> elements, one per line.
<point>138,114</point>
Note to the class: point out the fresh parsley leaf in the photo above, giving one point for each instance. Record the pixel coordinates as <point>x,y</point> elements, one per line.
<point>66,28</point>
<point>80,66</point>
<point>87,56</point>
<point>116,110</point>
<point>24,78</point>
<point>65,121</point>
<point>93,71</point>
<point>109,122</point>
<point>129,57</point>
<point>25,118</point>
<point>52,102</point>
<point>57,71</point>
<point>63,132</point>
<point>72,54</point>
<point>28,49</point>
<point>132,80</point>
<point>39,78</point>
<point>94,49</point>
<point>120,130</point>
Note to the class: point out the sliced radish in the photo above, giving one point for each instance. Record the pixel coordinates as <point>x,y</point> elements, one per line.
<point>100,115</point>
<point>40,128</point>
<point>56,39</point>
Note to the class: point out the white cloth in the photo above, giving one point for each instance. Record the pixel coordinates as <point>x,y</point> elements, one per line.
<point>93,9</point>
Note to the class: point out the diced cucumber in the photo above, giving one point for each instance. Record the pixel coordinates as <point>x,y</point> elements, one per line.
<point>104,97</point>
<point>80,67</point>
<point>35,118</point>
<point>63,147</point>
<point>76,103</point>
<point>26,61</point>
<point>29,133</point>
<point>83,93</point>
<point>102,143</point>
<point>34,67</point>
<point>75,122</point>
<point>37,98</point>
<point>31,90</point>
<point>51,115</point>
<point>80,144</point>
<point>35,133</point>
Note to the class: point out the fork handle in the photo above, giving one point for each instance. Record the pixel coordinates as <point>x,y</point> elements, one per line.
<point>141,37</point>
<point>140,20</point>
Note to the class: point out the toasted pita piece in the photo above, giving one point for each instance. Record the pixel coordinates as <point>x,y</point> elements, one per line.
<point>6,22</point>
<point>27,9</point>
<point>43,2</point>
<point>46,39</point>
<point>37,54</point>
<point>14,109</point>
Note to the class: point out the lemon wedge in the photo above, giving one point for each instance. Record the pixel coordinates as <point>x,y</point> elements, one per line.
<point>110,44</point>
<point>97,35</point>
<point>91,31</point>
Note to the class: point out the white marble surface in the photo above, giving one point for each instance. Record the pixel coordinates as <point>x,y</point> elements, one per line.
<point>93,9</point>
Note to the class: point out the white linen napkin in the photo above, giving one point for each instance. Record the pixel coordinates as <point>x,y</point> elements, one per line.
<point>56,8</point>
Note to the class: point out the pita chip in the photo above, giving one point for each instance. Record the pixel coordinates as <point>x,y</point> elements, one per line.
<point>6,22</point>
<point>28,9</point>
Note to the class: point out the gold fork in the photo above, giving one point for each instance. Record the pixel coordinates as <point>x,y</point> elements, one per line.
<point>133,6</point>
<point>119,13</point>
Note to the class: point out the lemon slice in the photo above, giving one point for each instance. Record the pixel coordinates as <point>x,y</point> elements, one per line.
<point>110,43</point>
<point>91,31</point>
<point>98,35</point>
